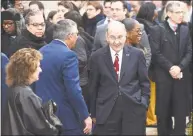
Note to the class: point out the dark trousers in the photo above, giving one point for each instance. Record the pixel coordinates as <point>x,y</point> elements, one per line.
<point>126,118</point>
<point>85,94</point>
<point>171,101</point>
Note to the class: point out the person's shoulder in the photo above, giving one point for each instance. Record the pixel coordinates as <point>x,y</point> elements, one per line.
<point>102,27</point>
<point>99,52</point>
<point>134,50</point>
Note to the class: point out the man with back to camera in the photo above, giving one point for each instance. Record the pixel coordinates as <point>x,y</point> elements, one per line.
<point>59,80</point>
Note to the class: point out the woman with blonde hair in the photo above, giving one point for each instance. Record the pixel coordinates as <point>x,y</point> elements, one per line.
<point>23,112</point>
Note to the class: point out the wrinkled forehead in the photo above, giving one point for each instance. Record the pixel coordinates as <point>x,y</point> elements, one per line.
<point>116,31</point>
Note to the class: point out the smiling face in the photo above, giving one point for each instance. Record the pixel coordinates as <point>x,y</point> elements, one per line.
<point>116,36</point>
<point>134,36</point>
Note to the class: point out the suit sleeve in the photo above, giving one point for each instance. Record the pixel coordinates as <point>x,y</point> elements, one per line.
<point>30,107</point>
<point>71,82</point>
<point>93,85</point>
<point>188,54</point>
<point>145,43</point>
<point>143,80</point>
<point>155,42</point>
<point>97,45</point>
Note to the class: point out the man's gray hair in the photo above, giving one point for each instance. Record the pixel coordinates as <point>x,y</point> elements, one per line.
<point>171,5</point>
<point>64,28</point>
<point>31,13</point>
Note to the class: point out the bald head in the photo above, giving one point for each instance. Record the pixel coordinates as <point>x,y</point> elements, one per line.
<point>116,35</point>
<point>116,25</point>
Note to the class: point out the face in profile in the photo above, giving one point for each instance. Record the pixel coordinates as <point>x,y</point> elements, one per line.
<point>35,75</point>
<point>134,36</point>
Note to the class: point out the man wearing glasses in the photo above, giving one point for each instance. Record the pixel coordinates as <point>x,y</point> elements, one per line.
<point>33,35</point>
<point>172,50</point>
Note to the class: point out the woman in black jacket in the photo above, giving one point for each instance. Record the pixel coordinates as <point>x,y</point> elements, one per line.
<point>23,113</point>
<point>92,16</point>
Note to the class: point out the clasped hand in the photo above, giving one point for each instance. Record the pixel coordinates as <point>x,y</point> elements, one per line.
<point>175,71</point>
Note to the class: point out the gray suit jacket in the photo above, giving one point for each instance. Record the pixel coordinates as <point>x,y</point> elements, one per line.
<point>100,41</point>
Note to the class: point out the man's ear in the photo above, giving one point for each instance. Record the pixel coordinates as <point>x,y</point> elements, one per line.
<point>98,11</point>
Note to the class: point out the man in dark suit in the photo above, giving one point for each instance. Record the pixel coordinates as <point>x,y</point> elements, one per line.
<point>172,50</point>
<point>119,86</point>
<point>118,13</point>
<point>59,80</point>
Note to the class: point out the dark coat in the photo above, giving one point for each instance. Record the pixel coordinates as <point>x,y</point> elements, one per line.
<point>83,49</point>
<point>7,41</point>
<point>59,81</point>
<point>90,25</point>
<point>167,54</point>
<point>23,114</point>
<point>27,40</point>
<point>105,88</point>
<point>147,27</point>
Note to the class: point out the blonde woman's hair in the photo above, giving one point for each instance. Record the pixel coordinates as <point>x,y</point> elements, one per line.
<point>21,66</point>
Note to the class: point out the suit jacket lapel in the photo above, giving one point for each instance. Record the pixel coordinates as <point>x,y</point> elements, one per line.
<point>109,62</point>
<point>125,60</point>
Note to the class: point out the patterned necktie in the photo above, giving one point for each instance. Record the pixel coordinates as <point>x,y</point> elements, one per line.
<point>116,65</point>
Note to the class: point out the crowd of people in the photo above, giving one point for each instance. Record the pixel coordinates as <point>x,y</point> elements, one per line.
<point>109,67</point>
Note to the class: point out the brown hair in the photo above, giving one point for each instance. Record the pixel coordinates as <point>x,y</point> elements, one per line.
<point>66,4</point>
<point>96,4</point>
<point>21,66</point>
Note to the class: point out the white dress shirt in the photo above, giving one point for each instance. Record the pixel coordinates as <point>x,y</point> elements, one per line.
<point>172,25</point>
<point>113,55</point>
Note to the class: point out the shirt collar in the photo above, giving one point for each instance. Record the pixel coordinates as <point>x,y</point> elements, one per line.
<point>114,53</point>
<point>172,25</point>
<point>62,42</point>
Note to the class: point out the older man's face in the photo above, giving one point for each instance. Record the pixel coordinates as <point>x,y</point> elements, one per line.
<point>116,37</point>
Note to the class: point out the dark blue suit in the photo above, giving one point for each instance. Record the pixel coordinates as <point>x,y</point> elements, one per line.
<point>59,81</point>
<point>4,61</point>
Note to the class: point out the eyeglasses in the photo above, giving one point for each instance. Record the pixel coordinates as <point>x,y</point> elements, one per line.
<point>138,30</point>
<point>8,24</point>
<point>119,38</point>
<point>38,25</point>
<point>178,12</point>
